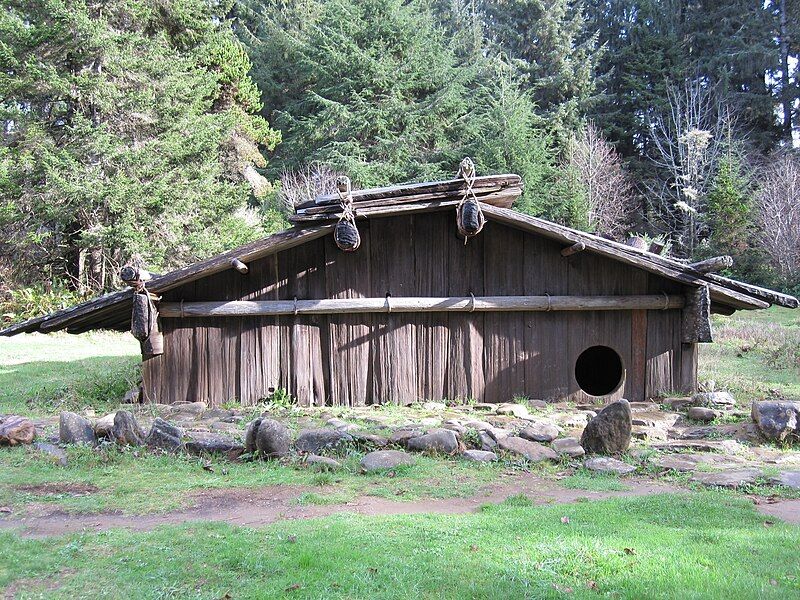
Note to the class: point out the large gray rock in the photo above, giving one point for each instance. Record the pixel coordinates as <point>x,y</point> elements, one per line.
<point>437,440</point>
<point>381,460</point>
<point>56,454</point>
<point>606,464</point>
<point>517,410</point>
<point>315,441</point>
<point>16,430</point>
<point>790,479</point>
<point>702,414</point>
<point>104,426</point>
<point>533,451</point>
<point>777,420</point>
<point>126,431</point>
<point>272,439</point>
<point>713,399</point>
<point>250,433</point>
<point>540,431</point>
<point>401,436</point>
<point>610,431</point>
<point>685,463</point>
<point>321,463</point>
<point>568,447</point>
<point>479,456</point>
<point>204,442</point>
<point>488,441</point>
<point>164,435</point>
<point>75,429</point>
<point>727,479</point>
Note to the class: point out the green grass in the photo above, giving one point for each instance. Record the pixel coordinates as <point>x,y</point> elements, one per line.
<point>44,374</point>
<point>706,545</point>
<point>138,482</point>
<point>754,353</point>
<point>584,479</point>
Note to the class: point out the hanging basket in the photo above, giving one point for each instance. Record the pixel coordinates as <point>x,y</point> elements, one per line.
<point>470,219</point>
<point>346,236</point>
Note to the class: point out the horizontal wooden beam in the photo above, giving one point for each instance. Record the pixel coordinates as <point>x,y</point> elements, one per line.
<point>713,265</point>
<point>239,266</point>
<point>574,249</point>
<point>240,308</point>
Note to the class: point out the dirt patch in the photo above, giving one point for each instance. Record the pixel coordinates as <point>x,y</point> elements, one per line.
<point>256,507</point>
<point>58,489</point>
<point>34,585</point>
<point>787,510</point>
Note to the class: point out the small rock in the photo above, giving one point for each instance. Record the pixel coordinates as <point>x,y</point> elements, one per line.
<point>322,463</point>
<point>685,463</point>
<point>643,407</point>
<point>479,455</point>
<point>436,406</point>
<point>713,399</point>
<point>606,464</point>
<point>533,451</point>
<point>610,431</point>
<point>484,407</point>
<point>477,424</point>
<point>702,414</point>
<point>74,429</point>
<point>164,435</point>
<point>272,439</point>
<point>316,440</point>
<point>725,446</point>
<point>401,436</point>
<point>380,460</point>
<point>517,410</point>
<point>540,431</point>
<point>16,430</point>
<point>190,408</point>
<point>369,439</point>
<point>790,479</point>
<point>58,455</point>
<point>104,426</point>
<point>457,427</point>
<point>678,403</point>
<point>727,479</point>
<point>126,430</point>
<point>437,440</point>
<point>488,442</point>
<point>777,420</point>
<point>202,442</point>
<point>569,447</point>
<point>250,433</point>
<point>537,403</point>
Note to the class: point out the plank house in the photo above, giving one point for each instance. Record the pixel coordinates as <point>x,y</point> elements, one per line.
<point>524,307</point>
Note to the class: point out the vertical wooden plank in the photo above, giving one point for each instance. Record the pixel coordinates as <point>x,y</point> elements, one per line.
<point>394,340</point>
<point>431,267</point>
<point>465,375</point>
<point>663,343</point>
<point>503,332</point>
<point>347,275</point>
<point>637,370</point>
<point>688,380</point>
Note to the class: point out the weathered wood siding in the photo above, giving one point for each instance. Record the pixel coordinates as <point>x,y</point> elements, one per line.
<point>379,358</point>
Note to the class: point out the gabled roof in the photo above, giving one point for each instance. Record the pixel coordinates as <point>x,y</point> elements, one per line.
<point>112,311</point>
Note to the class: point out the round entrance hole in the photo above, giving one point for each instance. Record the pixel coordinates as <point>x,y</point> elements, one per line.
<point>599,371</point>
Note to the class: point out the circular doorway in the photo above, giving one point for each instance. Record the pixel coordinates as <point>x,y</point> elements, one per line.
<point>599,371</point>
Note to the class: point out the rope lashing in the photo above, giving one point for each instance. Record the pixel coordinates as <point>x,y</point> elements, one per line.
<point>666,301</point>
<point>346,233</point>
<point>469,216</point>
<point>295,306</point>
<point>388,303</point>
<point>549,304</point>
<point>471,302</point>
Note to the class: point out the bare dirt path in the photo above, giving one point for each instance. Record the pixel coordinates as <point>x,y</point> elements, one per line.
<point>256,507</point>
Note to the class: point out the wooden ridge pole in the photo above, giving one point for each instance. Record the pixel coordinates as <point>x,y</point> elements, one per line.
<point>239,308</point>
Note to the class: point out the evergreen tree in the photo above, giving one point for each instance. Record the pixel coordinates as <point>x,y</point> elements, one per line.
<point>129,127</point>
<point>729,217</point>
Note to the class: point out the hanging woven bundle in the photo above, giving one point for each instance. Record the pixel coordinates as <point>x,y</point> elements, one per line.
<point>469,216</point>
<point>346,233</point>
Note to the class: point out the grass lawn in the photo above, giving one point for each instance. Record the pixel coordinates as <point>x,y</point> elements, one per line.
<point>703,545</point>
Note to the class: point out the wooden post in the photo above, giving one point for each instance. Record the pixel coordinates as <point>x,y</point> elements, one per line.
<point>712,265</point>
<point>697,316</point>
<point>239,266</point>
<point>144,324</point>
<point>574,249</point>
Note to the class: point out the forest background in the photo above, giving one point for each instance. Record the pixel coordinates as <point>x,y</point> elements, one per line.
<point>164,131</point>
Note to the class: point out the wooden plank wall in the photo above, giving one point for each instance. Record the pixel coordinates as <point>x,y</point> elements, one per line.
<point>398,358</point>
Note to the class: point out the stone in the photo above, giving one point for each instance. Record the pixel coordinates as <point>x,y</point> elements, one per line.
<point>540,431</point>
<point>322,463</point>
<point>610,431</point>
<point>203,442</point>
<point>686,463</point>
<point>477,424</point>
<point>533,451</point>
<point>58,455</point>
<point>436,440</point>
<point>190,408</point>
<point>713,399</point>
<point>643,407</point>
<point>789,479</point>
<point>777,420</point>
<point>702,414</point>
<point>696,433</point>
<point>75,429</point>
<point>250,433</point>
<point>164,435</point>
<point>517,410</point>
<point>727,479</point>
<point>272,439</point>
<point>401,436</point>
<point>126,431</point>
<point>104,426</point>
<point>568,446</point>
<point>606,464</point>
<point>479,455</point>
<point>678,403</point>
<point>16,430</point>
<point>724,446</point>
<point>381,460</point>
<point>458,428</point>
<point>316,440</point>
<point>488,442</point>
<point>537,403</point>
<point>484,407</point>
<point>436,406</point>
<point>369,439</point>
